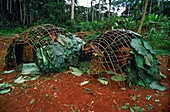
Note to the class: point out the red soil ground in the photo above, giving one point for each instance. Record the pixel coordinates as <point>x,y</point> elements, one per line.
<point>62,92</point>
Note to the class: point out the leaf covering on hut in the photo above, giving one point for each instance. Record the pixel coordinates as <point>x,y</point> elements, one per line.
<point>144,66</point>
<point>58,56</point>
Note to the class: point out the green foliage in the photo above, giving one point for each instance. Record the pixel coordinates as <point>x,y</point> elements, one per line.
<point>156,9</point>
<point>71,26</point>
<point>29,68</point>
<point>58,13</point>
<point>5,88</point>
<point>156,21</point>
<point>90,37</point>
<point>58,56</point>
<point>76,71</point>
<point>86,26</point>
<point>159,40</point>
<point>54,13</point>
<point>144,67</point>
<point>8,24</point>
<point>118,77</point>
<point>157,85</point>
<point>10,31</point>
<point>131,109</point>
<point>103,81</point>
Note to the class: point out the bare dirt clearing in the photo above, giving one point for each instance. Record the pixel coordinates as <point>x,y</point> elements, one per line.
<point>62,92</point>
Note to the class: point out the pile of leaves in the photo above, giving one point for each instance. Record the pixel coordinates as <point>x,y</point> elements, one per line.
<point>28,71</point>
<point>58,56</point>
<point>144,66</point>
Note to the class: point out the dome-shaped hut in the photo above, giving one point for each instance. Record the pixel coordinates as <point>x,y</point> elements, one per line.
<point>23,47</point>
<point>112,51</point>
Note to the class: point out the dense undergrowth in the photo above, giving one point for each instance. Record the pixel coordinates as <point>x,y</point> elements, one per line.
<point>155,29</point>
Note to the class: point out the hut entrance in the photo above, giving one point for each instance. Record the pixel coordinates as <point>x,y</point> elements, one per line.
<point>24,53</point>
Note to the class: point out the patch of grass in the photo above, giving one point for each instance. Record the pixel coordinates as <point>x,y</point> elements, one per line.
<point>162,52</point>
<point>10,32</point>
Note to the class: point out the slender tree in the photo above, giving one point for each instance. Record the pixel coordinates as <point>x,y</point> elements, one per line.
<point>150,7</point>
<point>159,1</point>
<point>92,11</point>
<point>110,3</point>
<point>20,9</point>
<point>100,9</point>
<point>87,12</point>
<point>72,9</point>
<point>143,17</point>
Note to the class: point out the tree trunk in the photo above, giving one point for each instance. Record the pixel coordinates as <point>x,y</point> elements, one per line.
<point>95,14</point>
<point>92,11</point>
<point>129,10</point>
<point>1,9</point>
<point>109,8</point>
<point>10,4</point>
<point>87,12</point>
<point>72,9</point>
<point>150,8</point>
<point>143,17</point>
<point>20,8</point>
<point>99,9</point>
<point>24,14</point>
<point>159,1</point>
<point>162,5</point>
<point>143,4</point>
<point>7,5</point>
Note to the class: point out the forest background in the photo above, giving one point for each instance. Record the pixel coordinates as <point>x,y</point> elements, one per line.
<point>102,15</point>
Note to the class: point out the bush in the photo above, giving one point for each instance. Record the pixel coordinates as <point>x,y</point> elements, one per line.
<point>159,40</point>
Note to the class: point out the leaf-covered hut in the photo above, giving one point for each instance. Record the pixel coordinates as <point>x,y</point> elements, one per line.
<point>127,56</point>
<point>48,46</point>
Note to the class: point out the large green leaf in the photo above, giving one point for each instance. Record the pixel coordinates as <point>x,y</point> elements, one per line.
<point>56,49</point>
<point>21,79</point>
<point>103,81</point>
<point>5,88</point>
<point>45,61</point>
<point>138,46</point>
<point>151,70</point>
<point>149,59</point>
<point>143,64</point>
<point>110,72</point>
<point>65,41</point>
<point>148,46</point>
<point>132,77</point>
<point>125,107</point>
<point>131,110</point>
<point>157,85</point>
<point>30,68</point>
<point>141,83</point>
<point>147,79</point>
<point>139,61</point>
<point>137,109</point>
<point>118,77</point>
<point>76,71</point>
<point>59,55</point>
<point>84,83</point>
